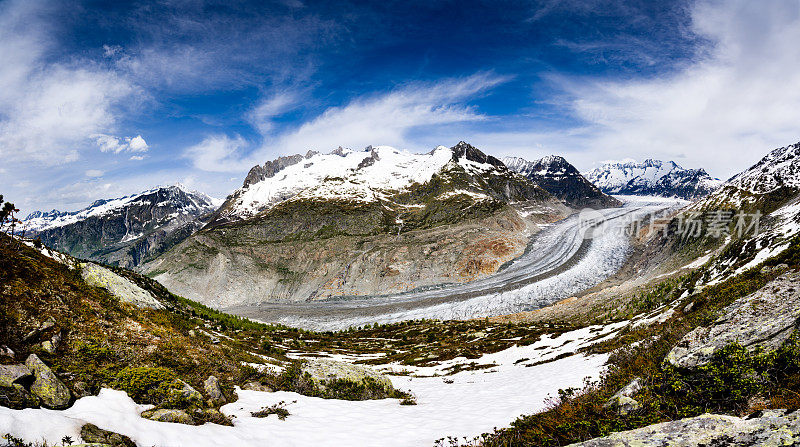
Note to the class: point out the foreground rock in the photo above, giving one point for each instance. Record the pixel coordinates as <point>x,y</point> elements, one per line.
<point>765,318</point>
<point>214,391</point>
<point>770,428</point>
<point>169,415</point>
<point>46,386</point>
<point>95,435</point>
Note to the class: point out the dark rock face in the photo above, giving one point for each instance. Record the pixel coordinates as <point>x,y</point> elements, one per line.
<point>268,170</point>
<point>130,231</point>
<point>93,434</point>
<point>472,153</point>
<point>561,179</point>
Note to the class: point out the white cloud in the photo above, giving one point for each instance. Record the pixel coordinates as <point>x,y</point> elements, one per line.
<point>375,119</point>
<point>49,107</point>
<point>110,143</point>
<point>136,157</point>
<point>94,173</point>
<point>723,111</point>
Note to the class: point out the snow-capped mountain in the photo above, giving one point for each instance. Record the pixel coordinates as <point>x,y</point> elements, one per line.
<point>558,177</point>
<point>126,230</point>
<point>652,178</point>
<point>372,175</point>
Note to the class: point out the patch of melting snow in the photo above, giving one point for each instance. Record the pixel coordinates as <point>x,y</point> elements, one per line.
<point>470,403</point>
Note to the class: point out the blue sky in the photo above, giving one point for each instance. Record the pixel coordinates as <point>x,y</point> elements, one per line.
<point>101,99</point>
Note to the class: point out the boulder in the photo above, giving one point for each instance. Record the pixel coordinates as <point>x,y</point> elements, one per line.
<point>189,394</point>
<point>169,415</point>
<point>46,386</point>
<point>214,391</point>
<point>17,397</point>
<point>764,319</point>
<point>9,374</point>
<point>622,400</point>
<point>772,427</point>
<point>95,435</point>
<point>324,369</point>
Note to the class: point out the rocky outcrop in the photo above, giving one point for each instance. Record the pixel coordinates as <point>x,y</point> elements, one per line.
<point>46,386</point>
<point>769,428</point>
<point>764,319</point>
<point>120,287</point>
<point>10,374</point>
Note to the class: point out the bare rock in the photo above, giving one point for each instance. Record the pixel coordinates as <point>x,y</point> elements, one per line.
<point>169,415</point>
<point>765,319</point>
<point>10,374</point>
<point>622,400</point>
<point>214,391</point>
<point>17,397</point>
<point>94,435</point>
<point>46,386</point>
<point>769,428</point>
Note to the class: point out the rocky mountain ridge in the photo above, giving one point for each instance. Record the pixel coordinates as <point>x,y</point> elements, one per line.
<point>558,177</point>
<point>652,178</point>
<point>124,231</point>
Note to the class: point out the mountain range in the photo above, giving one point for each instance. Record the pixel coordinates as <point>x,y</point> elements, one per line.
<point>652,178</point>
<point>125,231</point>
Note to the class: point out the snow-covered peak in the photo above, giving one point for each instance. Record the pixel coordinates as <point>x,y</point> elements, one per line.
<point>779,168</point>
<point>364,175</point>
<point>652,177</point>
<point>550,165</point>
<point>176,196</point>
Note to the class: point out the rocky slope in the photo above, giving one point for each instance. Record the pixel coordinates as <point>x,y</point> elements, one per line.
<point>125,231</point>
<point>652,178</point>
<point>358,223</point>
<point>561,179</point>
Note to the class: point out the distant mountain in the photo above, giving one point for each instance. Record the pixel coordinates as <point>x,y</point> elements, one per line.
<point>652,178</point>
<point>353,223</point>
<point>124,231</point>
<point>561,179</point>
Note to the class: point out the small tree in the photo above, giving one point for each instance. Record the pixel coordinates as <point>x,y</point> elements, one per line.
<point>8,218</point>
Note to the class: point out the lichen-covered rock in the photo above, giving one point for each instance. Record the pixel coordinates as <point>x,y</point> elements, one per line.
<point>622,400</point>
<point>94,435</point>
<point>189,394</point>
<point>9,374</point>
<point>324,369</point>
<point>17,397</point>
<point>765,319</point>
<point>169,415</point>
<point>46,386</point>
<point>770,428</point>
<point>214,391</point>
<point>120,287</point>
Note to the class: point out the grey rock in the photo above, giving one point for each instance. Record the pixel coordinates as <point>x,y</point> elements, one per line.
<point>46,386</point>
<point>763,319</point>
<point>324,369</point>
<point>93,434</point>
<point>255,386</point>
<point>47,346</point>
<point>622,400</point>
<point>770,428</point>
<point>169,415</point>
<point>214,391</point>
<point>9,374</point>
<point>122,288</point>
